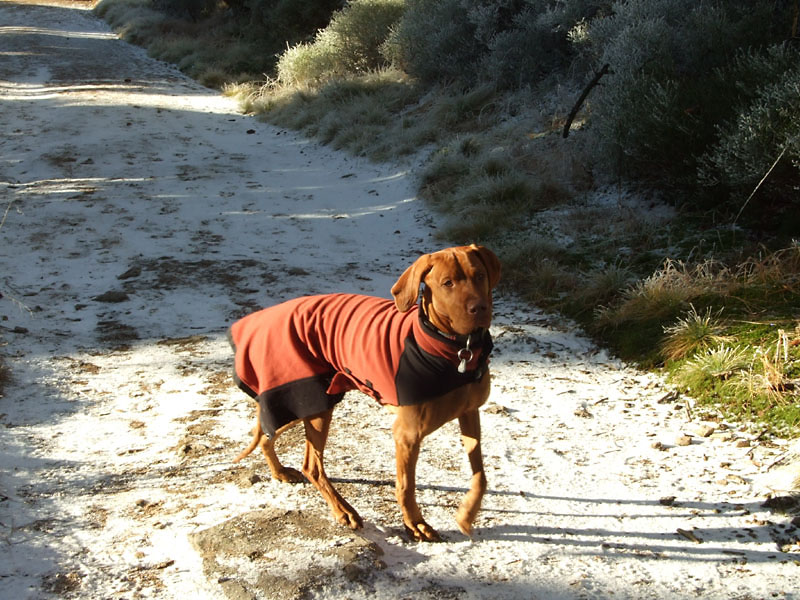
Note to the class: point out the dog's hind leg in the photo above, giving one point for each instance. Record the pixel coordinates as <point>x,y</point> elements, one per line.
<point>316,435</point>
<point>278,471</point>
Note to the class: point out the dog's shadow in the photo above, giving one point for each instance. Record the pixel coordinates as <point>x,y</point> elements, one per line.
<point>706,531</point>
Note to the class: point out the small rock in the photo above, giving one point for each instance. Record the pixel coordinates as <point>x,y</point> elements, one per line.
<point>668,397</point>
<point>496,409</point>
<point>736,479</point>
<point>667,501</point>
<point>62,583</point>
<point>743,444</point>
<point>659,446</point>
<point>130,273</point>
<point>582,412</point>
<point>249,478</point>
<point>703,430</point>
<point>112,297</point>
<point>781,504</point>
<point>683,440</point>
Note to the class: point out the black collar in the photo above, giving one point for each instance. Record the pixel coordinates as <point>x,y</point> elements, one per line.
<point>476,338</point>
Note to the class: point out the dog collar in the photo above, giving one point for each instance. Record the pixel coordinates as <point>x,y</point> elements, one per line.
<point>464,340</point>
<point>461,349</point>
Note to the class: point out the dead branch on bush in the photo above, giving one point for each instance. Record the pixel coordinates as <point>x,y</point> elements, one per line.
<point>763,179</point>
<point>582,98</point>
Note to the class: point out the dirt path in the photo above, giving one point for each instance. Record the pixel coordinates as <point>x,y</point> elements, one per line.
<point>142,215</point>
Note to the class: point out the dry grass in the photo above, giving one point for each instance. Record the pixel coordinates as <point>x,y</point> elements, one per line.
<point>775,381</point>
<point>715,364</point>
<point>693,333</point>
<point>761,280</point>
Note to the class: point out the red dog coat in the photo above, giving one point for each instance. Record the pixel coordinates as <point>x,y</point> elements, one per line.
<point>298,358</point>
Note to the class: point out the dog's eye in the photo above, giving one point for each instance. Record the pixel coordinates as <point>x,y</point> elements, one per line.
<point>448,283</point>
<point>480,276</point>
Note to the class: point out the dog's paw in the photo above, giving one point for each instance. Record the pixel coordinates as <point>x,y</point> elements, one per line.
<point>422,532</point>
<point>289,475</point>
<point>464,526</point>
<point>464,518</point>
<point>350,519</point>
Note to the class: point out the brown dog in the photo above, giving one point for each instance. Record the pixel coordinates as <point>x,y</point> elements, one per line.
<point>426,361</point>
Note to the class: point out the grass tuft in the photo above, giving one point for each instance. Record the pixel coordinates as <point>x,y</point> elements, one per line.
<point>692,334</point>
<point>719,363</point>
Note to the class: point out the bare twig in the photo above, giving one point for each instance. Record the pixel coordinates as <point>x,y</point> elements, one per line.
<point>689,535</point>
<point>595,80</point>
<point>20,304</point>
<point>763,179</point>
<point>5,213</point>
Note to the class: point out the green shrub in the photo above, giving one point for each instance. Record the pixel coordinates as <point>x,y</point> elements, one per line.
<point>186,9</point>
<point>526,46</point>
<point>289,21</point>
<point>656,112</point>
<point>767,123</point>
<point>435,41</point>
<point>218,41</point>
<point>349,45</point>
<point>510,43</point>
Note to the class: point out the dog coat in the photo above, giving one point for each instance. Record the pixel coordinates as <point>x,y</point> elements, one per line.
<point>298,358</point>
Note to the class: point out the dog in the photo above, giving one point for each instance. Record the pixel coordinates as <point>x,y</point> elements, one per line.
<point>424,355</point>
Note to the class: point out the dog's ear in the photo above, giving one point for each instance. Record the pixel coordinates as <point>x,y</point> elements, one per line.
<point>406,289</point>
<point>491,262</point>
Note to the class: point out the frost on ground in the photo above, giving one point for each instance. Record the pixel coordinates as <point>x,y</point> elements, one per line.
<point>142,215</point>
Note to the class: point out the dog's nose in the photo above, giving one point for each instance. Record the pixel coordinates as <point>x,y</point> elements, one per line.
<point>477,307</point>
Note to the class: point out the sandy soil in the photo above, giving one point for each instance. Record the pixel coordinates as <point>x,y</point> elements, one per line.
<point>141,214</point>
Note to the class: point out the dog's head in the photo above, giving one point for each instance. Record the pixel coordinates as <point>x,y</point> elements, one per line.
<point>457,296</point>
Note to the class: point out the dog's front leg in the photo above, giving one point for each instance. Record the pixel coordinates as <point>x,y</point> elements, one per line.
<point>471,437</point>
<point>407,446</point>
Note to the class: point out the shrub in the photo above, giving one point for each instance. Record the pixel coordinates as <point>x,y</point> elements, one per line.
<point>434,41</point>
<point>508,42</point>
<point>767,123</point>
<point>535,269</point>
<point>289,21</point>
<point>599,286</point>
<point>186,9</point>
<point>349,45</point>
<point>657,110</point>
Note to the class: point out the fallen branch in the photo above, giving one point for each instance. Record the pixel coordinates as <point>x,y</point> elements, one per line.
<point>595,80</point>
<point>689,536</point>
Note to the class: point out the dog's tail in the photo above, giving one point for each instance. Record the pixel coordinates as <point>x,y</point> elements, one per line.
<point>257,435</point>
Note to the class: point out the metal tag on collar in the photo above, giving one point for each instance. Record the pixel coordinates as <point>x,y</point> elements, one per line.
<point>465,355</point>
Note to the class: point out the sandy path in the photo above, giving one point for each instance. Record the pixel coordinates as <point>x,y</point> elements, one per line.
<point>143,214</point>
